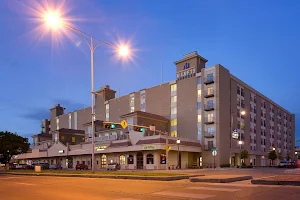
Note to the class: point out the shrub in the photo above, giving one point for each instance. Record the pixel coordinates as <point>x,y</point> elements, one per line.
<point>225,165</point>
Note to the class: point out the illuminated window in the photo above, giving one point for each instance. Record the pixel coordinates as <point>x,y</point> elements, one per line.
<point>62,138</point>
<point>174,111</point>
<point>163,158</point>
<point>107,115</point>
<point>210,90</point>
<point>173,122</point>
<point>174,134</point>
<point>199,93</point>
<point>122,160</point>
<point>210,117</point>
<point>173,99</point>
<point>107,106</point>
<point>173,87</point>
<point>73,139</point>
<point>132,109</point>
<point>57,123</point>
<point>199,118</point>
<point>131,99</point>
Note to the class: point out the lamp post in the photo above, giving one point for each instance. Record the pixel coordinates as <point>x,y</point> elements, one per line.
<point>178,142</point>
<point>240,142</point>
<point>54,21</point>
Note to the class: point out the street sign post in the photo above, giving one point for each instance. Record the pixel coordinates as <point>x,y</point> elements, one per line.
<point>124,124</point>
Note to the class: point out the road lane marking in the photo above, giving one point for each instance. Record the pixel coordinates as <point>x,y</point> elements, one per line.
<point>185,195</point>
<point>30,184</point>
<point>214,189</point>
<point>232,184</point>
<point>127,199</point>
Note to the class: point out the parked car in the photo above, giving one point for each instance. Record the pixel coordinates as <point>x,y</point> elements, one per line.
<point>292,164</point>
<point>82,166</point>
<point>113,166</point>
<point>283,164</point>
<point>20,166</point>
<point>44,165</point>
<point>56,166</point>
<point>29,167</point>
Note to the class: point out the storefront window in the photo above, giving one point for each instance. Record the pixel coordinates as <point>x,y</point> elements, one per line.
<point>150,159</point>
<point>130,159</point>
<point>122,160</point>
<point>163,158</point>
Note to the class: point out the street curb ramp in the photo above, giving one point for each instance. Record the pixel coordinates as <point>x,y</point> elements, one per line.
<point>274,182</point>
<point>220,180</point>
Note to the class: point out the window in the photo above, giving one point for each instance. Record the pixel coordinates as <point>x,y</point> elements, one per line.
<point>70,121</point>
<point>73,139</point>
<point>173,87</point>
<point>242,125</point>
<point>130,159</point>
<point>173,99</point>
<point>210,145</point>
<point>174,134</point>
<point>242,92</point>
<point>198,80</point>
<point>90,131</point>
<point>57,123</point>
<point>238,101</point>
<point>62,138</point>
<point>199,118</point>
<point>199,93</point>
<point>174,111</point>
<point>150,159</point>
<point>210,90</point>
<point>131,99</point>
<point>198,105</point>
<point>173,122</point>
<point>107,106</point>
<point>238,90</point>
<point>163,158</point>
<point>143,106</point>
<point>122,160</point>
<point>210,130</point>
<point>131,108</point>
<point>210,77</point>
<point>210,117</point>
<point>107,115</point>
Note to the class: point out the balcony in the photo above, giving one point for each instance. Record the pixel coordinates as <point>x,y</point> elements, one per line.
<point>208,147</point>
<point>209,107</point>
<point>209,134</point>
<point>209,80</point>
<point>209,120</point>
<point>209,93</point>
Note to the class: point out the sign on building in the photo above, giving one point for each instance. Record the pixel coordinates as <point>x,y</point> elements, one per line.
<point>186,72</point>
<point>235,134</point>
<point>149,147</point>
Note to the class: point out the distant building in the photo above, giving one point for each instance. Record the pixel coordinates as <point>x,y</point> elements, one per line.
<point>202,107</point>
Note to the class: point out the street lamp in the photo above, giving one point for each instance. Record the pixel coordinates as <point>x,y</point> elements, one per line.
<point>55,22</point>
<point>240,142</point>
<point>178,142</point>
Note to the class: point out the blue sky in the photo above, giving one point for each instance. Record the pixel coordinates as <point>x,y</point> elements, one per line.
<point>257,41</point>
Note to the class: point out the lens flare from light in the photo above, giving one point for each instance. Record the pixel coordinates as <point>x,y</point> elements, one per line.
<point>53,20</point>
<point>123,50</point>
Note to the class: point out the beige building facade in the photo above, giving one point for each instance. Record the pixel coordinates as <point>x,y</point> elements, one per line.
<point>203,106</point>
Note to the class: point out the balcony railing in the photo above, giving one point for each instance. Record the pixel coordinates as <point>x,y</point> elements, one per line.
<point>208,93</point>
<point>209,80</point>
<point>208,107</point>
<point>209,134</point>
<point>209,147</point>
<point>209,120</point>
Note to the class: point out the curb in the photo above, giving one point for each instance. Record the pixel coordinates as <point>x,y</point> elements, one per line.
<point>155,178</point>
<point>271,182</point>
<point>221,180</point>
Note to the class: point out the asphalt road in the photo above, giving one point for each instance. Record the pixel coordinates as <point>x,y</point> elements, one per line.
<point>61,188</point>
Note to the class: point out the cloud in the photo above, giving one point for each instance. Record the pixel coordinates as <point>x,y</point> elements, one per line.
<point>69,105</point>
<point>37,114</point>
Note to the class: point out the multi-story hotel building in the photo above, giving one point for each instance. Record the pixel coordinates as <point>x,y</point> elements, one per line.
<point>201,107</point>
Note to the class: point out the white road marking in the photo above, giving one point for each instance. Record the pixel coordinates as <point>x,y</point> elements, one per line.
<point>186,195</point>
<point>232,184</point>
<point>214,189</point>
<point>127,199</point>
<point>30,184</point>
<point>266,177</point>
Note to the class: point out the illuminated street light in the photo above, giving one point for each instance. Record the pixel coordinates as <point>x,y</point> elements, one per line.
<point>55,21</point>
<point>178,162</point>
<point>240,142</point>
<point>274,149</point>
<point>243,112</point>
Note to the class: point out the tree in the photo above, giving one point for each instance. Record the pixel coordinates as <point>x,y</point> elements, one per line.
<point>272,156</point>
<point>244,155</point>
<point>11,144</point>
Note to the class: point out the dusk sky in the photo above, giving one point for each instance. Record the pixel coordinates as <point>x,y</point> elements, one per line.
<point>257,41</point>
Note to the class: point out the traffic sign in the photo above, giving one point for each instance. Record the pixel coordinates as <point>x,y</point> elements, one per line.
<point>168,147</point>
<point>214,149</point>
<point>214,153</point>
<point>124,124</point>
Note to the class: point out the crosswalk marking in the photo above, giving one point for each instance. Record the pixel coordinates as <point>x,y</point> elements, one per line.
<point>214,189</point>
<point>186,195</point>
